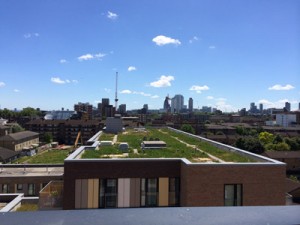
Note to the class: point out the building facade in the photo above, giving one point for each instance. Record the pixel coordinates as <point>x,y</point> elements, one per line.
<point>65,131</point>
<point>170,182</point>
<point>20,140</point>
<point>191,105</point>
<point>177,103</point>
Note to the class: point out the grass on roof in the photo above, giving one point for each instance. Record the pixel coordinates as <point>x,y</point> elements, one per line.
<point>27,207</point>
<point>106,137</point>
<point>207,147</point>
<point>47,157</point>
<point>174,148</point>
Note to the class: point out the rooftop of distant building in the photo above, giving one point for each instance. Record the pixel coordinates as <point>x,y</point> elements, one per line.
<point>163,143</point>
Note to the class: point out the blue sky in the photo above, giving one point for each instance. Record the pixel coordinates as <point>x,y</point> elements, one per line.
<point>222,53</point>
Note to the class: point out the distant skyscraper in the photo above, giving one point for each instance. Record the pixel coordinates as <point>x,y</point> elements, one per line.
<point>191,106</point>
<point>261,107</point>
<point>145,106</point>
<point>122,109</point>
<point>105,104</point>
<point>177,103</point>
<point>167,106</point>
<point>299,106</point>
<point>288,106</point>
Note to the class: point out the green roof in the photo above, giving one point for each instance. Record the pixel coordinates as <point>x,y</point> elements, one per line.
<point>177,146</point>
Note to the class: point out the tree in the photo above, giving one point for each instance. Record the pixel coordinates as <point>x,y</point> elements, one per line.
<point>250,144</point>
<point>187,128</point>
<point>277,139</point>
<point>294,143</point>
<point>265,137</point>
<point>48,138</point>
<point>17,128</point>
<point>282,146</point>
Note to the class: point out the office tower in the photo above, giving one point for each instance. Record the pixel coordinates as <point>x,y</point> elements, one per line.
<point>191,105</point>
<point>122,109</point>
<point>287,106</point>
<point>261,108</point>
<point>177,103</point>
<point>105,104</point>
<point>145,106</point>
<point>167,106</point>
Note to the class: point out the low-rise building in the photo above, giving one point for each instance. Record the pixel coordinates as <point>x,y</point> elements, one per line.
<point>20,140</point>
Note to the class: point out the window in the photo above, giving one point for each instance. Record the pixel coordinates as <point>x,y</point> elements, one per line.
<point>19,187</point>
<point>149,187</point>
<point>233,194</point>
<point>174,191</point>
<point>108,193</point>
<point>31,189</point>
<point>5,188</point>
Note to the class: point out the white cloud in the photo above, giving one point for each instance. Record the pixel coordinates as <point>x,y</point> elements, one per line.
<point>161,40</point>
<point>30,35</point>
<point>199,89</point>
<point>58,80</point>
<point>278,87</point>
<point>164,81</point>
<point>126,92</point>
<point>209,97</point>
<point>63,61</point>
<point>155,96</point>
<point>2,84</point>
<point>89,56</point>
<point>276,104</point>
<point>107,90</point>
<point>111,15</point>
<point>212,47</point>
<point>193,39</point>
<point>16,90</point>
<point>131,68</point>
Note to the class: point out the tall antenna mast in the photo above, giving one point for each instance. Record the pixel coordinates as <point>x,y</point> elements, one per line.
<point>116,94</point>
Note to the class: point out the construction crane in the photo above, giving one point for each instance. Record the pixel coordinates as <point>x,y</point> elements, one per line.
<point>77,139</point>
<point>116,94</point>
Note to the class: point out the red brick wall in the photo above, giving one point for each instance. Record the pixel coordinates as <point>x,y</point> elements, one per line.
<point>203,185</point>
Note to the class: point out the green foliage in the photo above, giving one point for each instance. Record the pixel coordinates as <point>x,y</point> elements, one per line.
<point>277,139</point>
<point>265,137</point>
<point>50,156</point>
<point>294,143</point>
<point>187,128</point>
<point>30,112</point>
<point>27,207</point>
<point>48,137</point>
<point>17,128</point>
<point>250,144</point>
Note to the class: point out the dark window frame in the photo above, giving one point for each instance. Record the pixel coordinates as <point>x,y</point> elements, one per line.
<point>235,193</point>
<point>103,184</point>
<point>176,191</point>
<point>31,191</point>
<point>147,192</point>
<point>19,187</point>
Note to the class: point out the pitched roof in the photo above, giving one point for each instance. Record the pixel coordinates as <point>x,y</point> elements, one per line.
<point>282,154</point>
<point>18,136</point>
<point>291,185</point>
<point>6,153</point>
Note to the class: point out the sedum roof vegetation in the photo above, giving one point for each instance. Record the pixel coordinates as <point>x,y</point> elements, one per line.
<point>178,146</point>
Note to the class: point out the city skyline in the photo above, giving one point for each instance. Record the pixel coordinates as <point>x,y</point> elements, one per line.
<point>223,54</point>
